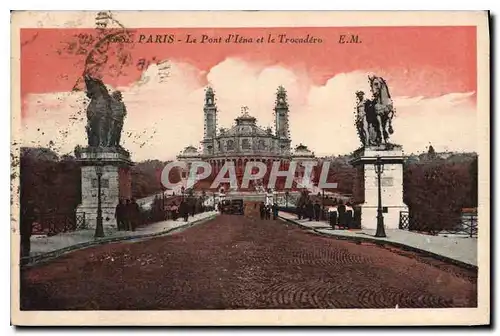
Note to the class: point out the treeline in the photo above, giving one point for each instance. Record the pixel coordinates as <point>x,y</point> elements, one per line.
<point>53,183</point>
<point>435,189</point>
<point>146,177</point>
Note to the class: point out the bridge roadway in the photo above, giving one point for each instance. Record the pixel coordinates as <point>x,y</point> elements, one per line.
<point>236,262</point>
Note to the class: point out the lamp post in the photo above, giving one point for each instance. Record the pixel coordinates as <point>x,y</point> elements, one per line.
<point>379,169</point>
<point>163,198</point>
<point>323,203</point>
<point>99,230</point>
<point>286,198</point>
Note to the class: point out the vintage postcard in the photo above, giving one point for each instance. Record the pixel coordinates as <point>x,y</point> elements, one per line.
<point>250,168</point>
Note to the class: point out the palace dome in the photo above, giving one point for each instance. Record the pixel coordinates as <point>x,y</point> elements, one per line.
<point>245,125</point>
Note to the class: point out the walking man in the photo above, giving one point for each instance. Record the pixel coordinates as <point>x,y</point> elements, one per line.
<point>341,210</point>
<point>299,212</point>
<point>262,209</point>
<point>137,214</point>
<point>317,211</point>
<point>184,211</point>
<point>275,211</point>
<point>175,211</point>
<point>309,210</point>
<point>119,215</point>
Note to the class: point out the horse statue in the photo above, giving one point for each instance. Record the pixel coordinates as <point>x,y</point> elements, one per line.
<point>105,114</point>
<point>383,107</point>
<point>98,112</point>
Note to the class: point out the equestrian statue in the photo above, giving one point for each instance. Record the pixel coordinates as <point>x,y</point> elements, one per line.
<point>374,116</point>
<point>105,115</point>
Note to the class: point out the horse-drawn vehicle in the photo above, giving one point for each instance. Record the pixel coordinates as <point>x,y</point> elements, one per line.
<point>233,207</point>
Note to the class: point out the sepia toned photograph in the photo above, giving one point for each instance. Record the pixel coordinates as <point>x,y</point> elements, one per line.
<point>239,168</point>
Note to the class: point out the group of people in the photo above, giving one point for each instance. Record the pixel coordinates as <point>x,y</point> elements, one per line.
<point>266,210</point>
<point>183,209</point>
<point>341,215</point>
<point>309,210</point>
<point>128,215</point>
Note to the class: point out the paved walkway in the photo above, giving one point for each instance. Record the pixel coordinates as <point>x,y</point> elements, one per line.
<point>42,244</point>
<point>461,249</point>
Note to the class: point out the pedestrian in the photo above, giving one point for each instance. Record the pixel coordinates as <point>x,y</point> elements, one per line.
<point>299,212</point>
<point>262,209</point>
<point>268,212</point>
<point>136,215</point>
<point>275,211</point>
<point>27,218</point>
<point>309,210</point>
<point>175,211</point>
<point>317,211</point>
<point>341,211</point>
<point>127,215</point>
<point>193,208</point>
<point>119,215</point>
<point>184,210</point>
<point>167,212</point>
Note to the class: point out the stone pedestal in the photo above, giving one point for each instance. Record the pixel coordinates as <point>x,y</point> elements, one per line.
<point>115,183</point>
<point>366,186</point>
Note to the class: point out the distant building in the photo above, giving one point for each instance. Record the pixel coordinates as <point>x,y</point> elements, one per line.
<point>246,141</point>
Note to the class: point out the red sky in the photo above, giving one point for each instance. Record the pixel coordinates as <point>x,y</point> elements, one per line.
<point>417,61</point>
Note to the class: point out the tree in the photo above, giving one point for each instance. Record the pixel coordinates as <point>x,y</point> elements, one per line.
<point>436,192</point>
<point>52,183</point>
<point>431,151</point>
<point>473,172</point>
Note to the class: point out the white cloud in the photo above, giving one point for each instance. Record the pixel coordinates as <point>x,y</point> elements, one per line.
<point>163,117</point>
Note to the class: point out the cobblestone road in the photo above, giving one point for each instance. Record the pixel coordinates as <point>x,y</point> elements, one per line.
<point>239,262</point>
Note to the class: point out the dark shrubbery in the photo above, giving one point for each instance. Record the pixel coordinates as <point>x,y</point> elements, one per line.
<point>146,178</point>
<point>437,191</point>
<point>52,183</point>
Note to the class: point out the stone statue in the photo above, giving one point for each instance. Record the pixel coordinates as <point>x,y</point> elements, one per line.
<point>374,117</point>
<point>361,121</point>
<point>365,120</point>
<point>97,112</point>
<point>118,113</point>
<point>384,110</point>
<point>105,114</point>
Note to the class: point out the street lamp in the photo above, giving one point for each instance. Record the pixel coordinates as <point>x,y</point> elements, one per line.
<point>163,198</point>
<point>286,198</point>
<point>323,203</point>
<point>99,230</point>
<point>379,169</point>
